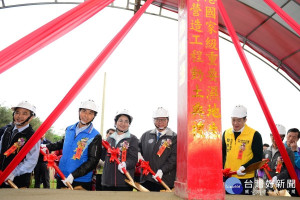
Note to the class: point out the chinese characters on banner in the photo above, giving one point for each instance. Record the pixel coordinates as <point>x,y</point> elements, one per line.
<point>199,102</point>
<point>204,74</point>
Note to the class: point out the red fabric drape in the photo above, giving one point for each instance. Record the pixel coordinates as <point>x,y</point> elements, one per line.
<point>48,33</point>
<point>74,91</point>
<point>259,95</point>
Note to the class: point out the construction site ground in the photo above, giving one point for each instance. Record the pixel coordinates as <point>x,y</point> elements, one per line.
<point>54,194</point>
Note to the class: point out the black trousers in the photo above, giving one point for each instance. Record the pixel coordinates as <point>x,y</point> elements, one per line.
<point>41,175</point>
<point>22,181</point>
<point>153,187</point>
<point>98,182</point>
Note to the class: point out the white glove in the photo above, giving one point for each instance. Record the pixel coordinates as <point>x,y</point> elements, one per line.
<point>140,157</point>
<point>120,166</point>
<point>240,171</point>
<point>101,163</point>
<point>274,181</point>
<point>10,177</point>
<point>43,146</point>
<point>69,179</point>
<point>44,149</point>
<point>159,174</point>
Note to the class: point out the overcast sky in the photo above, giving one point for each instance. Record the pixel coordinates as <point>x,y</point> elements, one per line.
<point>141,73</point>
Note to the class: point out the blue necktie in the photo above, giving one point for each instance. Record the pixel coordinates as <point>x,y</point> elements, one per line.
<point>158,135</point>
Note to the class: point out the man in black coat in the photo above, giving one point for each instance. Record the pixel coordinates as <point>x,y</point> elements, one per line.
<point>41,171</point>
<point>159,147</point>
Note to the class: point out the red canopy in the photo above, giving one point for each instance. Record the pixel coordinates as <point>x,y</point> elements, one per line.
<point>260,28</point>
<point>257,26</point>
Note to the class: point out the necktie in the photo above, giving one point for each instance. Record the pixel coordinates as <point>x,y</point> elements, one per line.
<point>15,133</point>
<point>158,136</point>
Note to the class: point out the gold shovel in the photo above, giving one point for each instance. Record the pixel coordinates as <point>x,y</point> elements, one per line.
<point>276,192</point>
<point>137,186</point>
<point>254,166</point>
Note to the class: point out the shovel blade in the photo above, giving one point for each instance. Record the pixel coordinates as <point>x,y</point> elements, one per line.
<point>137,186</point>
<point>283,193</point>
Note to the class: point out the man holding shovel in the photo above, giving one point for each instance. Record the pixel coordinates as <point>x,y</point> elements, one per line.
<point>278,170</point>
<point>159,147</point>
<point>81,149</point>
<point>13,140</point>
<point>241,147</point>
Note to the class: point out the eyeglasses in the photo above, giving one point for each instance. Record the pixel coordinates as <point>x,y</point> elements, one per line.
<point>160,119</point>
<point>281,136</point>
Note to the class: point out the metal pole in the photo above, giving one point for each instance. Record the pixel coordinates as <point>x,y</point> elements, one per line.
<point>103,104</point>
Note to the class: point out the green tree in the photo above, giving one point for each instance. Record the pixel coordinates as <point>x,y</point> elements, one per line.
<point>6,118</point>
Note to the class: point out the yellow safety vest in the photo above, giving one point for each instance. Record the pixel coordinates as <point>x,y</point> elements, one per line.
<point>239,152</point>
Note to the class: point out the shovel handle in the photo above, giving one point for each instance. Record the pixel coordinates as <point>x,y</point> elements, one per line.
<point>163,184</point>
<point>62,176</point>
<point>69,185</point>
<point>12,184</point>
<point>128,176</point>
<point>270,178</point>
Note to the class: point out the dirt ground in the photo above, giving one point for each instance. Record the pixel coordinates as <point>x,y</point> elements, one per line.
<point>53,194</point>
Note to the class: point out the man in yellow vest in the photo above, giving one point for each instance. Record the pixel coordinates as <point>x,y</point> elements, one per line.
<point>241,147</point>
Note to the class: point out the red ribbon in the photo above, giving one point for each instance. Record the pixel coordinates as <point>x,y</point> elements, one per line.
<point>227,172</point>
<point>48,33</point>
<point>279,166</point>
<point>114,154</point>
<point>51,158</point>
<point>259,95</point>
<point>78,86</point>
<point>146,169</point>
<point>12,149</point>
<point>266,166</point>
<point>124,153</point>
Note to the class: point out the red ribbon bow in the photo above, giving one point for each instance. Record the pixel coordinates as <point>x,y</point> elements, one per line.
<point>50,158</point>
<point>114,154</point>
<point>227,172</point>
<point>146,167</point>
<point>266,166</point>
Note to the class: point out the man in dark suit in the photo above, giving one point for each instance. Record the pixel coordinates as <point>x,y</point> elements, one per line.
<point>41,172</point>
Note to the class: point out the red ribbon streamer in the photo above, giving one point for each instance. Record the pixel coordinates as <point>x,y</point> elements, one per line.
<point>259,95</point>
<point>48,33</point>
<point>12,149</point>
<point>124,154</point>
<point>78,86</point>
<point>289,20</point>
